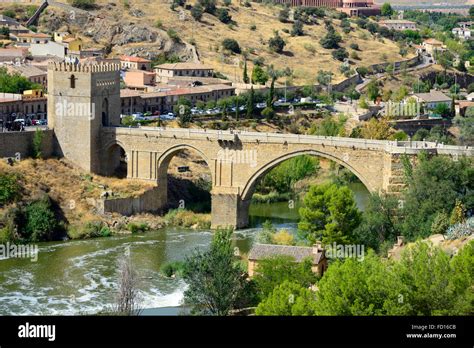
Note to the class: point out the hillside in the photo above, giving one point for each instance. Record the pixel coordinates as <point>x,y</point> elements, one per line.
<point>141,27</point>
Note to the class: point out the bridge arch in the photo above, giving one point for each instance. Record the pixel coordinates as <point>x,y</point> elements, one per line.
<point>115,160</point>
<point>163,163</point>
<point>249,187</point>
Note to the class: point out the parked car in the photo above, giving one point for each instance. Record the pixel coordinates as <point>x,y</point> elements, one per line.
<point>42,122</point>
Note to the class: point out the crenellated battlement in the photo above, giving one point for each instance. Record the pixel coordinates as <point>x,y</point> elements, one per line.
<point>84,68</point>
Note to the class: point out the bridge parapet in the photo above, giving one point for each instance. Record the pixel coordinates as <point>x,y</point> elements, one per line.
<point>393,147</point>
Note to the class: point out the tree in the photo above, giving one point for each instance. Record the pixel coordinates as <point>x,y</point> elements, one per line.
<point>276,43</point>
<point>373,90</point>
<point>84,4</point>
<point>40,221</point>
<point>331,40</point>
<point>209,6</point>
<point>284,14</point>
<point>466,127</point>
<point>340,54</point>
<point>423,200</point>
<point>443,110</point>
<point>380,221</point>
<point>297,29</point>
<point>377,129</point>
<point>215,281</point>
<point>231,45</point>
<point>471,11</point>
<point>259,75</point>
<point>287,299</point>
<point>386,10</point>
<point>250,103</point>
<point>15,83</point>
<point>224,16</point>
<point>197,12</point>
<point>273,271</point>
<point>127,298</point>
<point>324,78</point>
<point>183,110</point>
<point>37,143</point>
<point>329,214</point>
<point>246,78</point>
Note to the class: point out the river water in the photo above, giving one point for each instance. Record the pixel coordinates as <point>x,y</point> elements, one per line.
<point>80,277</point>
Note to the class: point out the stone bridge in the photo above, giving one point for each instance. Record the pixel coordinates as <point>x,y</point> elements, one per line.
<point>237,160</point>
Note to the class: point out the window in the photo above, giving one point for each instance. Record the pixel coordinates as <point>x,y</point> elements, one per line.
<point>73,81</point>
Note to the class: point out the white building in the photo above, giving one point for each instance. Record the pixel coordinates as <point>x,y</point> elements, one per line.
<point>432,99</point>
<point>398,24</point>
<point>463,33</point>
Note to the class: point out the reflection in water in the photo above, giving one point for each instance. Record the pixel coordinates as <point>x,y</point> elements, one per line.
<point>79,277</point>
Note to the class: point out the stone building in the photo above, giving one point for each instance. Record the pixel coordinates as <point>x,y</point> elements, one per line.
<point>166,72</point>
<point>30,104</point>
<point>135,63</point>
<point>398,24</point>
<point>350,7</point>
<point>263,251</point>
<point>31,72</point>
<point>26,39</point>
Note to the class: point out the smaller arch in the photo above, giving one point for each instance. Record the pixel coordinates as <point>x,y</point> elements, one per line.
<point>115,160</point>
<point>248,190</point>
<point>166,156</point>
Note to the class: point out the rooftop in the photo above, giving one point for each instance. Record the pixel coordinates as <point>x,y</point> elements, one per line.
<point>27,70</point>
<point>12,52</point>
<point>396,21</point>
<point>134,59</point>
<point>433,96</point>
<point>184,66</point>
<point>36,35</point>
<point>299,253</point>
<point>433,42</point>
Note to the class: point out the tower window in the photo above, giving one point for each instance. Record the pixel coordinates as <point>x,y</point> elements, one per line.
<point>73,81</point>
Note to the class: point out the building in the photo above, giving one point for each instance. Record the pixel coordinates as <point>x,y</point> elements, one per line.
<point>30,104</point>
<point>85,53</point>
<point>139,79</point>
<point>432,99</point>
<point>166,72</point>
<point>73,44</point>
<point>163,99</point>
<point>13,26</point>
<point>398,24</point>
<point>263,251</point>
<point>13,55</point>
<point>463,33</point>
<point>31,72</point>
<point>431,46</point>
<point>27,39</point>
<point>48,49</point>
<point>350,7</point>
<point>135,63</point>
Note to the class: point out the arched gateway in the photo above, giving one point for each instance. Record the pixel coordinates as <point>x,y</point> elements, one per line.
<point>237,160</point>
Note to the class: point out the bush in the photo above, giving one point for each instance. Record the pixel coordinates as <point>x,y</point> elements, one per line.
<point>224,16</point>
<point>354,46</point>
<point>10,188</point>
<point>297,29</point>
<point>188,219</point>
<point>173,268</point>
<point>138,227</point>
<point>84,4</point>
<point>340,54</point>
<point>40,221</point>
<point>231,45</point>
<point>253,27</point>
<point>197,12</point>
<point>276,43</point>
<point>463,229</point>
<point>173,35</point>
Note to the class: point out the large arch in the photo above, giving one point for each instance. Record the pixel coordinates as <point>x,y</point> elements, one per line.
<point>249,187</point>
<point>115,160</point>
<point>163,163</point>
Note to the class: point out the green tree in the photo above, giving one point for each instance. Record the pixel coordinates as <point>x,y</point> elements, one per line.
<point>466,127</point>
<point>287,299</point>
<point>273,271</point>
<point>231,45</point>
<point>15,83</point>
<point>215,281</point>
<point>209,6</point>
<point>297,29</point>
<point>276,43</point>
<point>259,75</point>
<point>284,14</point>
<point>331,40</point>
<point>246,78</point>
<point>250,105</point>
<point>37,143</point>
<point>380,221</point>
<point>223,15</point>
<point>373,90</point>
<point>329,213</point>
<point>324,78</point>
<point>10,188</point>
<point>197,12</point>
<point>84,4</point>
<point>41,223</point>
<point>386,10</point>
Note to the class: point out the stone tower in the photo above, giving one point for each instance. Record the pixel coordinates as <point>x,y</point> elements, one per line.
<point>82,99</point>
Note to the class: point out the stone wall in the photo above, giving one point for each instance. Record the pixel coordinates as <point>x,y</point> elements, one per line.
<point>12,143</point>
<point>148,202</point>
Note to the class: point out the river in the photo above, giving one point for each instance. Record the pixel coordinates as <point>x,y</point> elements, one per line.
<point>80,277</point>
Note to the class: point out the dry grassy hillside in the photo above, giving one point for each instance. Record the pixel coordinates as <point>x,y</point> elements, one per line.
<point>304,55</point>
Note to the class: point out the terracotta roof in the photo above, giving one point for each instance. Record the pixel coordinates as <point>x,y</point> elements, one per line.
<point>37,35</point>
<point>433,42</point>
<point>299,253</point>
<point>183,66</point>
<point>134,59</point>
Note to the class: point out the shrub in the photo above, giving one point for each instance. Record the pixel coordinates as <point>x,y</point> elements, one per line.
<point>159,24</point>
<point>283,237</point>
<point>253,27</point>
<point>10,188</point>
<point>340,54</point>
<point>173,35</point>
<point>276,43</point>
<point>440,223</point>
<point>231,45</point>
<point>284,15</point>
<point>138,227</point>
<point>197,12</point>
<point>297,29</point>
<point>173,268</point>
<point>464,229</point>
<point>40,220</point>
<point>84,4</point>
<point>224,16</point>
<point>354,46</point>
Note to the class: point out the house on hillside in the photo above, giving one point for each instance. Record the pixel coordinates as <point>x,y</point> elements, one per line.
<point>262,251</point>
<point>432,45</point>
<point>135,63</point>
<point>432,99</point>
<point>398,24</point>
